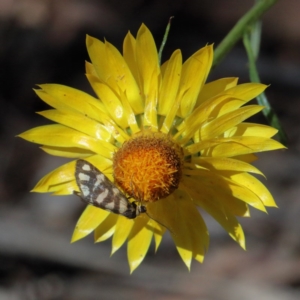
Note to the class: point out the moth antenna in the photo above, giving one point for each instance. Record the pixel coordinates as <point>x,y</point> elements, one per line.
<point>160,223</point>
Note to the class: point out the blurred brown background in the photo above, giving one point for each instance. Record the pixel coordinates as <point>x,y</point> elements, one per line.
<point>43,41</point>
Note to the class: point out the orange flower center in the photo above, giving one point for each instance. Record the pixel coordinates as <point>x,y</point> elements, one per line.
<point>148,167</point>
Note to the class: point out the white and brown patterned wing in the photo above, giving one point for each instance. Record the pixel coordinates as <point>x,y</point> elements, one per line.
<point>96,189</point>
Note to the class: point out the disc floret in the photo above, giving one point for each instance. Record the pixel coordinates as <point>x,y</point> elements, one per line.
<point>148,167</point>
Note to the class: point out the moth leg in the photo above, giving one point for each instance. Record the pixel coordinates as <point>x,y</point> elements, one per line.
<point>80,196</point>
<point>77,193</point>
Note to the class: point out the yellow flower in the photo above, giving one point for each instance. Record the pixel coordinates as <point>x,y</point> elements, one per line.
<point>165,138</point>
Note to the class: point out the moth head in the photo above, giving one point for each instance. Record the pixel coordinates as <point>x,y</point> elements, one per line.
<point>134,210</point>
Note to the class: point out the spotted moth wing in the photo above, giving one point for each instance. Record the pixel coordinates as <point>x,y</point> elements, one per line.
<point>96,189</point>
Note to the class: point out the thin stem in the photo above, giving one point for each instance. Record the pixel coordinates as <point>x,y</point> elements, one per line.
<point>238,30</point>
<point>163,43</point>
<point>262,99</point>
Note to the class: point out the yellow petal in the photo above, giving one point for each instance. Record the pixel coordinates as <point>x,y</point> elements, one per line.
<point>119,135</point>
<point>224,163</point>
<point>147,62</point>
<point>229,111</point>
<point>111,102</point>
<point>139,241</point>
<point>149,71</point>
<point>59,135</point>
<point>101,163</point>
<point>216,87</point>
<point>225,218</point>
<point>168,121</point>
<point>79,122</point>
<point>224,102</point>
<point>232,204</point>
<point>231,105</point>
<point>89,220</point>
<point>65,174</point>
<point>114,71</point>
<point>223,123</point>
<point>199,116</point>
<point>67,152</point>
<point>178,214</point>
<point>129,47</point>
<point>157,227</point>
<point>103,67</point>
<point>249,158</point>
<point>106,229</point>
<point>122,231</point>
<point>131,119</point>
<point>247,91</point>
<point>245,145</point>
<point>164,65</point>
<point>169,212</point>
<point>158,232</point>
<point>89,69</point>
<point>251,129</point>
<point>67,98</point>
<point>219,196</point>
<point>170,83</point>
<point>66,188</point>
<point>228,186</point>
<point>150,112</point>
<point>193,234</point>
<point>228,147</point>
<point>255,186</point>
<point>124,78</point>
<point>194,73</point>
<point>198,147</point>
<point>227,107</point>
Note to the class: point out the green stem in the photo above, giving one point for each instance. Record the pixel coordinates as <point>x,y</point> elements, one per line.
<point>238,30</point>
<point>262,99</point>
<point>163,43</point>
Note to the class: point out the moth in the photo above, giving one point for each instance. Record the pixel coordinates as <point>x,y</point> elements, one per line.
<point>97,190</point>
